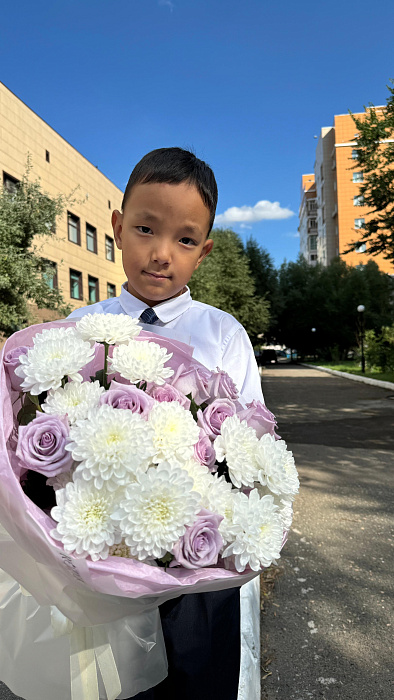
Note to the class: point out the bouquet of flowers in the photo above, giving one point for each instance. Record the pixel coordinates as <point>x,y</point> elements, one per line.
<point>158,479</point>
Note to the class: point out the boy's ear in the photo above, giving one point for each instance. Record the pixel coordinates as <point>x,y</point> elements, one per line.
<point>206,249</point>
<point>117,227</point>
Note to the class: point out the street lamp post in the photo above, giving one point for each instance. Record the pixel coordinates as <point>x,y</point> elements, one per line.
<point>361,309</point>
<point>314,342</point>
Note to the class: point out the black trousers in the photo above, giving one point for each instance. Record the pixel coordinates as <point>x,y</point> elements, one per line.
<point>202,636</point>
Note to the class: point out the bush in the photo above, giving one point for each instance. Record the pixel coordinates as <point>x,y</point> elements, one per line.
<point>379,350</point>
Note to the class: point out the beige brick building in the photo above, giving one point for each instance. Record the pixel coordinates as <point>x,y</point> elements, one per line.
<point>340,209</point>
<point>88,264</point>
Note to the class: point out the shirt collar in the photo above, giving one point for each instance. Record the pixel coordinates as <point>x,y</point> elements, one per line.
<point>166,310</point>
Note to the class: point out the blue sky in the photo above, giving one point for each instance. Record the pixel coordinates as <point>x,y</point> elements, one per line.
<point>247,84</point>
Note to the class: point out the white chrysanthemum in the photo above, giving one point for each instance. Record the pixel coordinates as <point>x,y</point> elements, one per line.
<point>57,353</point>
<point>237,443</point>
<point>112,445</point>
<point>156,511</point>
<point>74,400</point>
<point>276,466</point>
<point>108,328</point>
<point>257,531</point>
<point>141,360</point>
<point>219,498</point>
<point>201,476</point>
<point>175,432</point>
<point>285,505</point>
<point>84,523</point>
<point>286,513</point>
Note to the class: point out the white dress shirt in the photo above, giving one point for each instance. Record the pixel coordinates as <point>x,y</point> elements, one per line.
<point>218,338</point>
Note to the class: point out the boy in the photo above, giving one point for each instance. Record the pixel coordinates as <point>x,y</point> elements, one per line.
<point>167,214</point>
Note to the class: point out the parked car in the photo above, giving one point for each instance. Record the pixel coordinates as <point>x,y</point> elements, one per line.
<point>266,357</point>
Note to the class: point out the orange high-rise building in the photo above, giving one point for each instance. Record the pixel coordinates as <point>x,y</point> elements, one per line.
<point>340,208</point>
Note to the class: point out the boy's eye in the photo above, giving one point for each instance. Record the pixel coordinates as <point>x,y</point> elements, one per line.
<point>187,241</point>
<point>144,229</point>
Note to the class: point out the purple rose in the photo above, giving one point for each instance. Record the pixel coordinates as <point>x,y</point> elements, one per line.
<point>203,451</point>
<point>167,392</point>
<point>211,419</point>
<point>11,362</point>
<point>193,381</point>
<point>221,386</point>
<point>201,543</point>
<point>259,417</point>
<point>41,445</point>
<point>128,397</point>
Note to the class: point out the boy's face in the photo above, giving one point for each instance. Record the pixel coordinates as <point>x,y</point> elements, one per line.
<point>162,235</point>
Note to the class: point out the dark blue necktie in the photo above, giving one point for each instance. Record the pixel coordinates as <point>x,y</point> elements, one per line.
<point>149,316</point>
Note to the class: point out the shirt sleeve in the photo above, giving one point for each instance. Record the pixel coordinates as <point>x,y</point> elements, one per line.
<point>240,363</point>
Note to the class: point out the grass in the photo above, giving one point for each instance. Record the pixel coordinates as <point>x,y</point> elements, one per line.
<point>353,367</point>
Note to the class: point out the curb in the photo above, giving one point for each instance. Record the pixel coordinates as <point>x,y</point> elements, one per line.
<point>354,377</point>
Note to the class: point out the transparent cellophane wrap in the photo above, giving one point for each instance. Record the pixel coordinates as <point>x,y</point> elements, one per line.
<point>111,621</point>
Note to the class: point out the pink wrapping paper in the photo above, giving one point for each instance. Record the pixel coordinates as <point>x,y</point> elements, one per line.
<point>85,591</point>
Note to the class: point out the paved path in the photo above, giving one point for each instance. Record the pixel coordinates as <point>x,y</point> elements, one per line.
<point>329,630</point>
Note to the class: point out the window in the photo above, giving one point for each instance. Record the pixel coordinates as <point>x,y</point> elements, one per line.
<point>359,223</point>
<point>91,238</point>
<point>323,215</point>
<point>111,290</point>
<point>47,157</point>
<point>50,276</point>
<point>109,248</point>
<point>93,285</point>
<point>312,242</point>
<point>10,183</point>
<point>358,177</point>
<point>313,257</point>
<point>109,204</point>
<point>354,153</point>
<point>321,173</point>
<point>74,230</point>
<point>75,284</point>
<point>358,200</point>
<point>312,224</point>
<point>361,248</point>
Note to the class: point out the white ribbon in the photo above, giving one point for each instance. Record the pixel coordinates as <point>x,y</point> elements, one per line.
<point>89,648</point>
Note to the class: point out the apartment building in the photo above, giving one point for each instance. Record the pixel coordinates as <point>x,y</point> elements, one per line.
<point>88,266</point>
<point>340,208</point>
<point>308,219</point>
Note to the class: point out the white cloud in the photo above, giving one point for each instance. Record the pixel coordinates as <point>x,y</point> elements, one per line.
<point>292,234</point>
<point>263,210</point>
<point>168,3</point>
<point>245,226</point>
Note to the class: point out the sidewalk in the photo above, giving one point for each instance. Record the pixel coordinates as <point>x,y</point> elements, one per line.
<point>328,631</point>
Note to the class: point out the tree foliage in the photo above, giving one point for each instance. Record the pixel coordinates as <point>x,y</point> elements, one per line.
<point>375,159</point>
<point>27,217</point>
<point>224,280</point>
<point>326,299</point>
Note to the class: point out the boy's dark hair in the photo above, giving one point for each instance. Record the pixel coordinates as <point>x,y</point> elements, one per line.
<point>175,165</point>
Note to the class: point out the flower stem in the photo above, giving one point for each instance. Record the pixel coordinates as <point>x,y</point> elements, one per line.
<point>106,348</point>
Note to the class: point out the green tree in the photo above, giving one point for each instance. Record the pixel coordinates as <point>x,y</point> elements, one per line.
<point>375,159</point>
<point>265,277</point>
<point>326,298</point>
<point>262,268</point>
<point>224,280</point>
<point>27,216</point>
